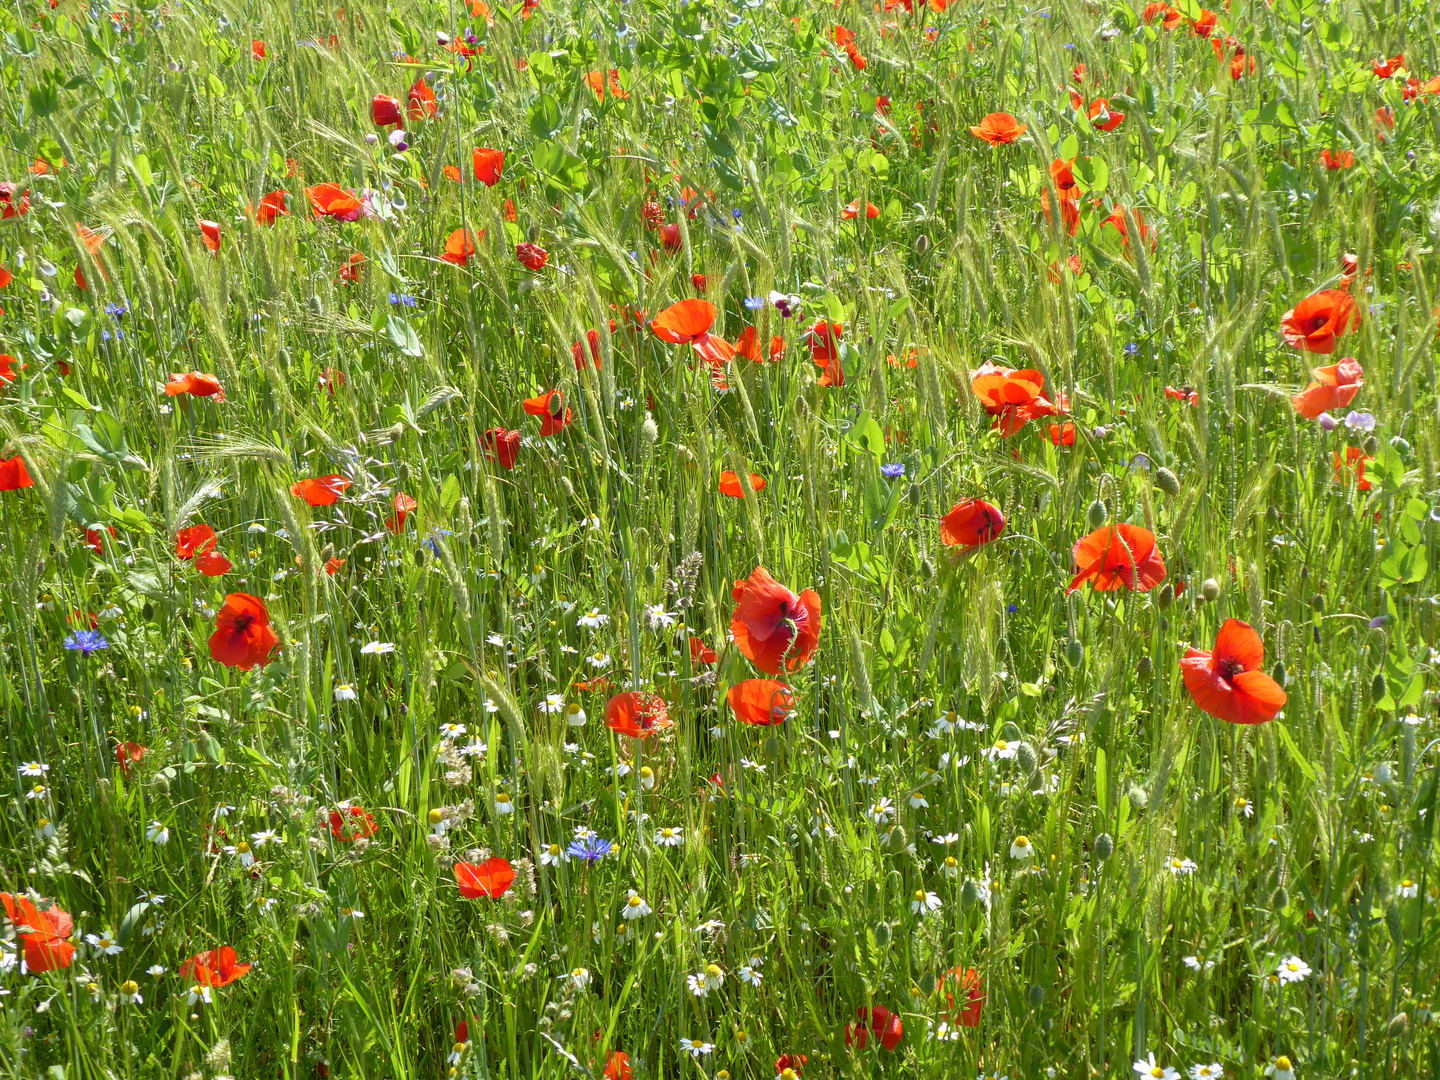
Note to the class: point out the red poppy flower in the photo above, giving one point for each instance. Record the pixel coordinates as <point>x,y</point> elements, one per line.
<point>127,754</point>
<point>196,384</point>
<point>13,475</point>
<point>1013,397</point>
<point>1184,394</point>
<point>403,505</point>
<point>885,1024</point>
<point>1062,434</point>
<point>531,256</point>
<point>772,626</point>
<point>1318,321</point>
<point>1241,65</point>
<point>777,349</point>
<point>853,211</point>
<point>95,538</point>
<point>242,636</point>
<point>491,879</point>
<point>9,372</point>
<point>1117,222</point>
<point>1386,68</point>
<point>420,103</point>
<point>210,233</point>
<point>352,824</point>
<point>637,714</point>
<point>1118,557</point>
<point>194,540</point>
<point>1205,25</point>
<point>971,524</point>
<point>258,50</point>
<point>332,379</point>
<point>618,1066</point>
<point>322,491</point>
<point>795,1063</point>
<point>972,987</point>
<point>730,484</point>
<point>700,653</point>
<point>684,323</point>
<point>671,238</point>
<point>999,129</point>
<point>460,245</point>
<point>501,446</point>
<point>1104,118</point>
<point>1335,161</point>
<point>578,350</point>
<point>761,702</point>
<point>1063,175</point>
<point>271,207</point>
<point>1172,16</point>
<point>1334,387</point>
<point>214,968</point>
<point>331,200</point>
<point>10,206</point>
<point>44,932</point>
<point>1352,466</point>
<point>350,269</point>
<point>1227,682</point>
<point>488,164</point>
<point>510,210</point>
<point>385,111</point>
<point>824,338</point>
<point>213,564</point>
<point>550,407</point>
<point>5,277</point>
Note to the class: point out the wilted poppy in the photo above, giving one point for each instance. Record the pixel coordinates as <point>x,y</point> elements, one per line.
<point>196,384</point>
<point>331,200</point>
<point>351,824</point>
<point>271,207</point>
<point>350,269</point>
<point>1013,397</point>
<point>1104,118</point>
<point>531,256</point>
<point>772,626</point>
<point>489,164</point>
<point>684,323</point>
<point>213,564</point>
<point>385,111</point>
<point>460,245</point>
<point>550,407</point>
<point>13,474</point>
<point>501,446</point>
<point>761,702</point>
<point>730,484</point>
<point>217,967</point>
<point>242,636</point>
<point>1118,557</point>
<point>420,103</point>
<point>971,524</point>
<point>321,491</point>
<point>1351,466</point>
<point>637,714</point>
<point>1317,322</point>
<point>210,233</point>
<point>403,505</point>
<point>853,210</point>
<point>999,129</point>
<point>972,988</point>
<point>194,540</point>
<point>1227,682</point>
<point>1334,387</point>
<point>127,754</point>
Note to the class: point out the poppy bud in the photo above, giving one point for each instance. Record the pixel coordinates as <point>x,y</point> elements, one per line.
<point>395,434</point>
<point>384,110</point>
<point>1399,1024</point>
<point>1210,590</point>
<point>1145,668</point>
<point>1278,672</point>
<point>1317,602</point>
<point>922,244</point>
<point>402,474</point>
<point>897,839</point>
<point>1097,514</point>
<point>1167,482</point>
<point>1009,731</point>
<point>1036,994</point>
<point>1025,758</point>
<point>1370,445</point>
<point>927,570</point>
<point>823,897</point>
<point>1137,797</point>
<point>1104,847</point>
<point>147,612</point>
<point>1166,597</point>
<point>1378,689</point>
<point>1272,514</point>
<point>915,495</point>
<point>1280,898</point>
<point>420,556</point>
<point>316,304</point>
<point>650,576</point>
<point>327,553</point>
<point>649,431</point>
<point>882,934</point>
<point>1074,652</point>
<point>969,894</point>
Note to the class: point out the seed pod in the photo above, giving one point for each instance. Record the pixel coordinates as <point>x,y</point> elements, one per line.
<point>1145,668</point>
<point>1167,482</point>
<point>1074,652</point>
<point>1166,597</point>
<point>1278,672</point>
<point>1210,590</point>
<point>882,934</point>
<point>1104,847</point>
<point>1097,514</point>
<point>1378,689</point>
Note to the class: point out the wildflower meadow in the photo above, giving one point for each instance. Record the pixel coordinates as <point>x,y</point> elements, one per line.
<point>719,539</point>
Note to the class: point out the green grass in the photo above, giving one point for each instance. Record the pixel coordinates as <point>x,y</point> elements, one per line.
<point>1304,836</point>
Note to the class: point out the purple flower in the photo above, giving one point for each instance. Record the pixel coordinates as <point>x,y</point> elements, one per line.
<point>591,850</point>
<point>86,642</point>
<point>1360,421</point>
<point>893,470</point>
<point>1326,421</point>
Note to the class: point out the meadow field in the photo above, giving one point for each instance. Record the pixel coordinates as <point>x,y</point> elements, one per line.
<point>651,539</point>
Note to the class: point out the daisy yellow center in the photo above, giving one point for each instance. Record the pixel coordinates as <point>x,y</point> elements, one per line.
<point>696,1043</point>
<point>502,798</point>
<point>1157,1071</point>
<point>919,896</point>
<point>712,971</point>
<point>951,861</point>
<point>1022,841</point>
<point>634,901</point>
<point>242,847</point>
<point>1002,745</point>
<point>554,849</point>
<point>130,986</point>
<point>1407,884</point>
<point>435,817</point>
<point>1282,1063</point>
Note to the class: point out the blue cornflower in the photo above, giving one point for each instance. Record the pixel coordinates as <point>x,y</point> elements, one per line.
<point>1132,349</point>
<point>431,542</point>
<point>754,303</point>
<point>591,850</point>
<point>117,311</point>
<point>86,642</point>
<point>893,470</point>
<point>1011,609</point>
<point>735,213</point>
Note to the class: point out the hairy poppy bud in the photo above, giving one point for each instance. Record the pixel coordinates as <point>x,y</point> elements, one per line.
<point>1025,758</point>
<point>327,553</point>
<point>1138,798</point>
<point>898,840</point>
<point>316,304</point>
<point>395,434</point>
<point>1272,514</point>
<point>1399,1024</point>
<point>1074,652</point>
<point>926,983</point>
<point>1036,994</point>
<point>882,934</point>
<point>1166,597</point>
<point>650,576</point>
<point>420,556</point>
<point>969,894</point>
<point>927,570</point>
<point>823,897</point>
<point>649,431</point>
<point>922,244</point>
<point>1097,514</point>
<point>915,495</point>
<point>1378,689</point>
<point>1317,602</point>
<point>1370,445</point>
<point>1278,672</point>
<point>402,474</point>
<point>1167,482</point>
<point>1145,668</point>
<point>1104,847</point>
<point>1279,899</point>
<point>1210,590</point>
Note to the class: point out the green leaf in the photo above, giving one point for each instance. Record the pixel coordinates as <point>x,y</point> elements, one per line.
<point>79,399</point>
<point>1092,173</point>
<point>402,336</point>
<point>1293,751</point>
<point>450,493</point>
<point>1336,35</point>
<point>545,116</point>
<point>865,435</point>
